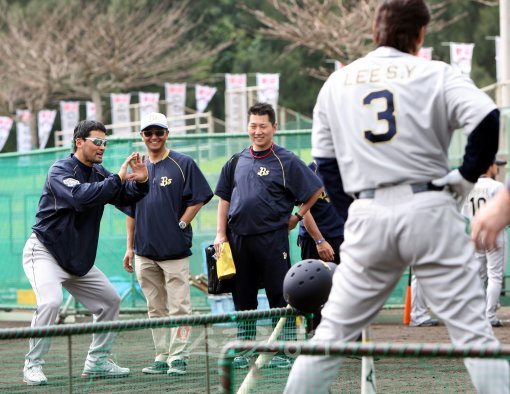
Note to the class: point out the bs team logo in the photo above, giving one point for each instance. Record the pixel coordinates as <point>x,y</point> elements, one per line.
<point>165,181</point>
<point>263,171</point>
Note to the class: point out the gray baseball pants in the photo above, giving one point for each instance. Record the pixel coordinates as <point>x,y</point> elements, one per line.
<point>383,236</point>
<point>492,270</point>
<point>93,290</point>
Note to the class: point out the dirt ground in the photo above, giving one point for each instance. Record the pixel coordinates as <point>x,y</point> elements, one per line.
<point>389,328</point>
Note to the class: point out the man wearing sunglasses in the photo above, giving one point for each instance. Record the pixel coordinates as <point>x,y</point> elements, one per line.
<point>62,248</point>
<point>159,239</point>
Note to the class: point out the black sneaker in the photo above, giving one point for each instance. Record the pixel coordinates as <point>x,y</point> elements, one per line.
<point>177,367</point>
<point>159,367</point>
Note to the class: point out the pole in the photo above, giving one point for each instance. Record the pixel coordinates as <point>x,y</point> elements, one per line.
<point>504,25</point>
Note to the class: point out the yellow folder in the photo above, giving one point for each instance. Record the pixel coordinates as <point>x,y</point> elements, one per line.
<point>225,266</point>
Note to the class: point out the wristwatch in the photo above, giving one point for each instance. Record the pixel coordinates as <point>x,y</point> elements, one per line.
<point>183,224</point>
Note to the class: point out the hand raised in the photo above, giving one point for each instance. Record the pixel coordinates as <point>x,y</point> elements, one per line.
<point>139,171</point>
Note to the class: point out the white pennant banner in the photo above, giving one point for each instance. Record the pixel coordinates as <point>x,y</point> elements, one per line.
<point>148,102</point>
<point>236,103</point>
<point>268,87</point>
<point>461,56</point>
<point>120,113</point>
<point>5,129</point>
<point>203,95</point>
<point>175,97</point>
<point>69,118</point>
<point>425,53</point>
<point>45,121</point>
<point>90,110</point>
<point>23,139</point>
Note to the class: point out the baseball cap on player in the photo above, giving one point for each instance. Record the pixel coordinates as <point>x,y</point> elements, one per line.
<point>499,162</point>
<point>153,119</point>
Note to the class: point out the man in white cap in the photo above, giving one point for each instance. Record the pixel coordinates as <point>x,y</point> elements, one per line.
<point>159,238</point>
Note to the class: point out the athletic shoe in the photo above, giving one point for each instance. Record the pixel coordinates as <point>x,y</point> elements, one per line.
<point>159,367</point>
<point>105,368</point>
<point>34,376</point>
<point>241,362</point>
<point>426,323</point>
<point>177,367</point>
<point>282,362</point>
<point>497,323</point>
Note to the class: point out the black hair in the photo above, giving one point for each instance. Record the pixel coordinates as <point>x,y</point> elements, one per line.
<point>83,129</point>
<point>398,23</point>
<point>263,109</point>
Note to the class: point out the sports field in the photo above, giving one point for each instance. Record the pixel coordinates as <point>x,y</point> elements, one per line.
<point>133,349</point>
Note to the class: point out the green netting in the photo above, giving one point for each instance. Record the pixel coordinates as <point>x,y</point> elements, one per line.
<point>21,181</point>
<point>391,367</point>
<point>134,349</point>
<point>399,367</point>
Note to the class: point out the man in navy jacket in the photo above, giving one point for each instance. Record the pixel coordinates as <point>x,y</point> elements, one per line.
<point>62,248</point>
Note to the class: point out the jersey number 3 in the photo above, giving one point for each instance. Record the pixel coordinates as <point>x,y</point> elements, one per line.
<point>388,115</point>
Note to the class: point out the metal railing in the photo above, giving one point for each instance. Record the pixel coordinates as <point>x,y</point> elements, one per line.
<point>194,123</point>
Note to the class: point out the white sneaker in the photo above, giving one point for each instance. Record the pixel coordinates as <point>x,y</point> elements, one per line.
<point>105,368</point>
<point>34,376</point>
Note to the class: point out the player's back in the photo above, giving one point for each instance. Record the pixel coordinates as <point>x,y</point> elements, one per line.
<point>391,116</point>
<point>485,188</point>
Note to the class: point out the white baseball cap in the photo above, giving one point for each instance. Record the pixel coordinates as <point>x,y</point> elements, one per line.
<point>154,119</point>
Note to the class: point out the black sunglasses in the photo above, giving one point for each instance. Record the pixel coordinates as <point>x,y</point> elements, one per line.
<point>150,133</point>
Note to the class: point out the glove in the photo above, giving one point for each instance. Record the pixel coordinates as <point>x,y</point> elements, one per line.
<point>456,184</point>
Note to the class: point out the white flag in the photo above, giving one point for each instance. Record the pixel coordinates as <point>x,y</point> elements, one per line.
<point>23,138</point>
<point>425,53</point>
<point>268,86</point>
<point>460,57</point>
<point>148,102</point>
<point>45,121</point>
<point>5,129</point>
<point>90,110</point>
<point>175,97</point>
<point>236,103</point>
<point>120,113</point>
<point>69,118</point>
<point>203,95</point>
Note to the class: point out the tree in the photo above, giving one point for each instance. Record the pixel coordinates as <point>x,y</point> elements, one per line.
<point>85,49</point>
<point>33,64</point>
<point>340,29</point>
<point>126,46</point>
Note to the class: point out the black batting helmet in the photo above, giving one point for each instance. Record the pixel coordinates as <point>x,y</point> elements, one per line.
<point>307,285</point>
<point>332,266</point>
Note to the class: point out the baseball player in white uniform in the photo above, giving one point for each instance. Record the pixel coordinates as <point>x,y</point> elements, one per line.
<point>420,315</point>
<point>492,261</point>
<point>385,122</point>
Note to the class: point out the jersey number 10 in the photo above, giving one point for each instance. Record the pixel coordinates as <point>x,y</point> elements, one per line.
<point>476,204</point>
